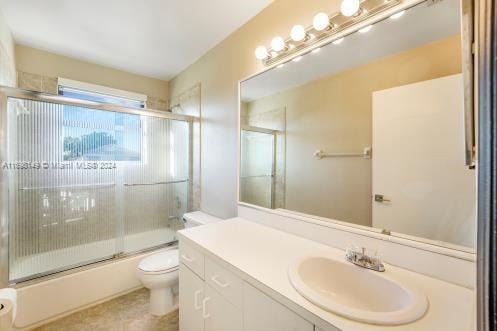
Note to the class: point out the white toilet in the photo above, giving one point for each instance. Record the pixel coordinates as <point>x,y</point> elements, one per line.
<point>159,272</point>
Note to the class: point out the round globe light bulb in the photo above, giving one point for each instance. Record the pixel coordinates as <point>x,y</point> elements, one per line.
<point>321,21</point>
<point>349,7</point>
<point>277,44</point>
<point>261,52</point>
<point>297,33</point>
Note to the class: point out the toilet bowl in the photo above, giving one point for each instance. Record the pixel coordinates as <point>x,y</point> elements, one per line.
<point>159,273</point>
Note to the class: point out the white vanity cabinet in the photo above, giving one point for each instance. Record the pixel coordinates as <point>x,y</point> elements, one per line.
<point>261,313</point>
<point>191,289</point>
<point>212,298</point>
<point>207,294</point>
<point>220,314</point>
<point>202,308</point>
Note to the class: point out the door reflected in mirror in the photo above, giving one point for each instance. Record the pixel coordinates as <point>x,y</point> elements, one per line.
<point>369,131</point>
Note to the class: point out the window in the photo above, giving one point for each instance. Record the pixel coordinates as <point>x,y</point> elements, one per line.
<point>91,92</point>
<point>99,97</point>
<point>97,135</point>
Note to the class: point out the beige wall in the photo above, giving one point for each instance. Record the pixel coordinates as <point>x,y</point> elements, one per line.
<point>335,114</point>
<point>7,57</point>
<point>42,63</point>
<point>218,71</point>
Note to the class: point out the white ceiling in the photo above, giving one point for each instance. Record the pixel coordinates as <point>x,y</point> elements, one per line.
<point>155,38</point>
<point>419,25</point>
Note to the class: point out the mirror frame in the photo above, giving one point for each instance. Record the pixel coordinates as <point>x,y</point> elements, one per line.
<point>470,76</point>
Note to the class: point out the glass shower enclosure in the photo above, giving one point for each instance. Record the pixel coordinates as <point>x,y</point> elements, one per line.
<point>84,182</point>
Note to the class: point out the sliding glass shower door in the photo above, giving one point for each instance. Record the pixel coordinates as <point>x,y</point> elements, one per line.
<point>88,184</point>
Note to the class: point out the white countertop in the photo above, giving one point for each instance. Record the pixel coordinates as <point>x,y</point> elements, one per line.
<point>261,256</point>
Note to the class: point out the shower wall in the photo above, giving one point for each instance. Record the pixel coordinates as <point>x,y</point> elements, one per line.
<point>188,103</point>
<point>7,58</point>
<point>38,71</point>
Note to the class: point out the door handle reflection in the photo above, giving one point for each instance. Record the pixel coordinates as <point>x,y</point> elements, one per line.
<point>381,198</point>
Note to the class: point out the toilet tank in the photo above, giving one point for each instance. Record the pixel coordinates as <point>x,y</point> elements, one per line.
<point>199,218</point>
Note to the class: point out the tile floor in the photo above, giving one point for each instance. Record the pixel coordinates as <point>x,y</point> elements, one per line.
<point>126,313</point>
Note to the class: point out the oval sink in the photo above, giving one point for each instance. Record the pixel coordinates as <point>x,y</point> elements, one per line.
<point>356,293</point>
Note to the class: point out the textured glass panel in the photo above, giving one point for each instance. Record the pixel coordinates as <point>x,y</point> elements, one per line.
<point>61,213</point>
<point>155,191</point>
<point>93,135</point>
<point>256,168</point>
<point>73,206</point>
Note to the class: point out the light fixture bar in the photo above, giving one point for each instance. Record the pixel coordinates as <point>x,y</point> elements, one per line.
<point>338,23</point>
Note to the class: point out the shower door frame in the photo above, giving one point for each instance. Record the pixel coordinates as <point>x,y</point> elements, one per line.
<point>11,92</point>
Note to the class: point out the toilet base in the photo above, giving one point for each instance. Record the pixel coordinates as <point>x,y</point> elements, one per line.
<point>162,301</point>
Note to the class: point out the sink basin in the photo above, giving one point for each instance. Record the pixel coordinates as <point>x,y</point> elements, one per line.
<point>356,293</point>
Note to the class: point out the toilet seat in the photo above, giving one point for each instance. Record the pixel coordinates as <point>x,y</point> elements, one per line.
<point>159,263</point>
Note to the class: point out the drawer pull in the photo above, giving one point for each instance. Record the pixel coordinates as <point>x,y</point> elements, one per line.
<point>196,301</point>
<point>219,282</point>
<point>204,308</point>
<point>186,258</point>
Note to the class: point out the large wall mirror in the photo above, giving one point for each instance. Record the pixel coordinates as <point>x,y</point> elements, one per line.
<point>368,130</point>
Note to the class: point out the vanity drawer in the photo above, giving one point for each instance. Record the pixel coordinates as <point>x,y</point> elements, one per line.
<point>192,258</point>
<point>225,282</point>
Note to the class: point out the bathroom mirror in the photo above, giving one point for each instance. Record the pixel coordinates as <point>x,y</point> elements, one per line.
<point>369,130</point>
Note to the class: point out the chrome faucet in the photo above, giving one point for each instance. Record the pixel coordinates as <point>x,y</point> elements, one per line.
<point>363,260</point>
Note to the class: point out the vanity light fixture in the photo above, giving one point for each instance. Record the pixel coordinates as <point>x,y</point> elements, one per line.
<point>324,27</point>
<point>280,66</point>
<point>314,51</point>
<point>366,29</point>
<point>350,7</point>
<point>398,15</point>
<point>298,33</point>
<point>297,59</point>
<point>278,44</point>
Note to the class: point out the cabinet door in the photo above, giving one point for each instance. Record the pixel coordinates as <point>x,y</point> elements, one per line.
<point>219,313</point>
<point>191,294</point>
<point>261,313</point>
